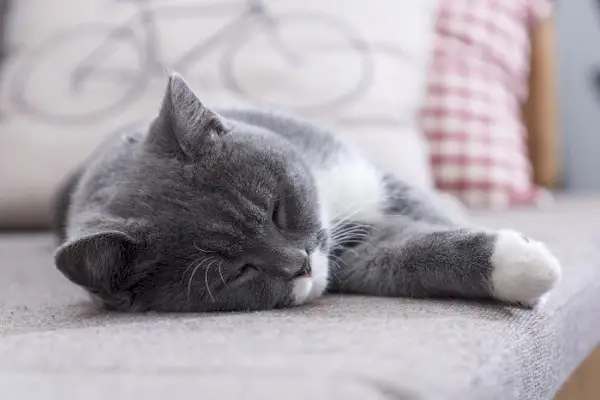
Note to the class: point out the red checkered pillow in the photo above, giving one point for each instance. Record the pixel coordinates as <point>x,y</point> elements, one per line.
<point>472,114</point>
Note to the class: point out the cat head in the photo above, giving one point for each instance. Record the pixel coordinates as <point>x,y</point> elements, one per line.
<point>208,214</point>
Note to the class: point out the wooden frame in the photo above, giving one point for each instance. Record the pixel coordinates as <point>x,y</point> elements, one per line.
<point>584,383</point>
<point>540,111</point>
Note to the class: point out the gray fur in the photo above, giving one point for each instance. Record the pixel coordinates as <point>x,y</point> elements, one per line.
<point>403,257</point>
<point>178,216</point>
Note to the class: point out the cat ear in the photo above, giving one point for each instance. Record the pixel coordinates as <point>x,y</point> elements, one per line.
<point>100,262</point>
<point>184,124</point>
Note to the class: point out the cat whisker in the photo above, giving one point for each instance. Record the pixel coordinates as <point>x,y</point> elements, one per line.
<point>202,250</point>
<point>351,250</point>
<point>336,262</point>
<point>346,246</point>
<point>349,235</point>
<point>343,217</point>
<point>336,276</point>
<point>189,290</point>
<point>200,259</point>
<point>206,280</point>
<point>186,270</point>
<point>360,234</point>
<point>351,225</point>
<point>349,238</point>
<point>352,239</point>
<point>221,273</point>
<point>336,257</point>
<point>365,243</point>
<point>351,228</point>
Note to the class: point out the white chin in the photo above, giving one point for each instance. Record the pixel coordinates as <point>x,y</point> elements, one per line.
<point>308,288</point>
<point>302,288</point>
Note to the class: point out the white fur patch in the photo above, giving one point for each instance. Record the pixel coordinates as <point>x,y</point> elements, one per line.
<point>310,287</point>
<point>524,270</point>
<point>350,187</point>
<point>320,273</point>
<point>301,290</point>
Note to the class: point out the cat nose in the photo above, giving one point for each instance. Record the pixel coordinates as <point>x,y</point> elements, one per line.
<point>287,263</point>
<point>305,269</point>
<point>297,270</point>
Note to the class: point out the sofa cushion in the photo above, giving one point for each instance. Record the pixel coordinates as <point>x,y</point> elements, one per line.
<point>476,86</point>
<point>52,342</point>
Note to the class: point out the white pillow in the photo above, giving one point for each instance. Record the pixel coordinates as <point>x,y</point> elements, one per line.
<point>81,70</point>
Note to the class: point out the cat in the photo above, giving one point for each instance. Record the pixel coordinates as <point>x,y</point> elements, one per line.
<point>231,210</point>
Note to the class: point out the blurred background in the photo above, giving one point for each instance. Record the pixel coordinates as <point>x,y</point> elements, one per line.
<point>578,26</point>
<point>466,97</point>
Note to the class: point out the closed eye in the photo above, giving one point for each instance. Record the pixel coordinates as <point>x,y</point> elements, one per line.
<point>279,217</point>
<point>247,271</point>
<point>249,268</point>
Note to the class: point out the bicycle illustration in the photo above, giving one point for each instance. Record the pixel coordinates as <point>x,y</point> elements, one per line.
<point>101,89</point>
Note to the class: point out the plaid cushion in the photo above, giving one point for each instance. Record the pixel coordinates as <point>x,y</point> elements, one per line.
<point>472,114</point>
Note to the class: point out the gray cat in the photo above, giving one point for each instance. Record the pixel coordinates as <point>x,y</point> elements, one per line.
<point>249,210</point>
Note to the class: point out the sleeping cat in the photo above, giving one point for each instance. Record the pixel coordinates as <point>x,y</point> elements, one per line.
<point>249,210</point>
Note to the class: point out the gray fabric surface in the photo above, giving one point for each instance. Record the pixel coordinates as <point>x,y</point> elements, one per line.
<point>53,344</point>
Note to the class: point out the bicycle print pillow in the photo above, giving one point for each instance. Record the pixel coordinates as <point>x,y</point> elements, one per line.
<point>80,70</point>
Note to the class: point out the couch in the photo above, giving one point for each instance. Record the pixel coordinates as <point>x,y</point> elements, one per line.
<point>55,344</point>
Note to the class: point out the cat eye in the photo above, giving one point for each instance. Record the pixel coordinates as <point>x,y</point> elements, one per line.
<point>247,269</point>
<point>279,217</point>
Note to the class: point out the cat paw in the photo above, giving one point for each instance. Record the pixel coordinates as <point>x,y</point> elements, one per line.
<point>524,270</point>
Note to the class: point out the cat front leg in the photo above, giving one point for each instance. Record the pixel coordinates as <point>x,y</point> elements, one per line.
<point>406,258</point>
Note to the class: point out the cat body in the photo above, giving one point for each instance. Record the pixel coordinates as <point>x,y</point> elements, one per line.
<point>247,210</point>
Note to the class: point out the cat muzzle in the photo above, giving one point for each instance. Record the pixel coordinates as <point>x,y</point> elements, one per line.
<point>305,270</point>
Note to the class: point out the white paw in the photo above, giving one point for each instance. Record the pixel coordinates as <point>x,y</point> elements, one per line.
<point>523,270</point>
